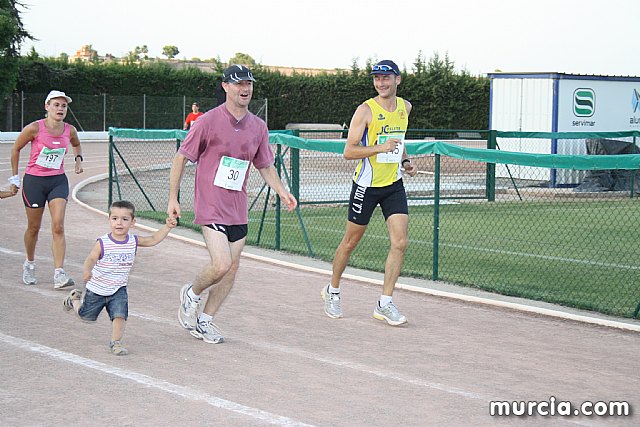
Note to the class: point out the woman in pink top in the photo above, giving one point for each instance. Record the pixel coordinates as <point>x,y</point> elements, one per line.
<point>44,182</point>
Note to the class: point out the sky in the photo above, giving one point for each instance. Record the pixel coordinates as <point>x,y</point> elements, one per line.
<point>479,36</point>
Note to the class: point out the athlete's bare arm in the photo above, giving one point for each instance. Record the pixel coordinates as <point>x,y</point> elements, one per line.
<point>359,122</point>
<point>175,178</point>
<point>27,135</point>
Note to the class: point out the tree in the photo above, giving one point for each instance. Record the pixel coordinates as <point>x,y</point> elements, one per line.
<point>144,50</point>
<point>441,67</point>
<point>93,54</point>
<point>243,59</point>
<point>420,66</point>
<point>355,70</point>
<point>369,63</point>
<point>170,51</point>
<point>33,54</point>
<point>12,34</point>
<point>214,61</point>
<point>138,54</point>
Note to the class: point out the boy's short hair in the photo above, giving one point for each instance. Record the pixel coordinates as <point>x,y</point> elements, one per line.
<point>124,204</point>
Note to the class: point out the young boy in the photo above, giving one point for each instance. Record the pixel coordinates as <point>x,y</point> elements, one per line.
<point>106,272</point>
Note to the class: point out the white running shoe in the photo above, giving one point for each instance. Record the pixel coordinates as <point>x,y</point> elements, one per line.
<point>61,280</point>
<point>390,314</point>
<point>331,303</point>
<point>188,311</point>
<point>208,332</point>
<point>29,273</point>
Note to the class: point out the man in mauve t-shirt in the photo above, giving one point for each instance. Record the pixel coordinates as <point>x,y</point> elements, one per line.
<point>223,143</point>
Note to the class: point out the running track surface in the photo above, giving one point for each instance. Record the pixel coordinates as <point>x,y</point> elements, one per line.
<point>283,362</point>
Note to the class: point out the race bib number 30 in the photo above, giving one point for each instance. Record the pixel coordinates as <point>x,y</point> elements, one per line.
<point>394,156</point>
<point>51,158</point>
<point>231,173</point>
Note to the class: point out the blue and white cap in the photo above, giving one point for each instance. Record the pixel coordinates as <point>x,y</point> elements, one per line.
<point>385,66</point>
<point>236,73</point>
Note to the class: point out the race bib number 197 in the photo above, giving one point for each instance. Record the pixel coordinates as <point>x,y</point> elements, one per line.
<point>51,158</point>
<point>231,173</point>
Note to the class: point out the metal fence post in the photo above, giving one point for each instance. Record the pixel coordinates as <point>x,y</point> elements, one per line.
<point>436,216</point>
<point>279,167</point>
<point>144,111</point>
<point>295,172</point>
<point>111,166</point>
<point>21,109</point>
<point>104,112</point>
<point>491,169</point>
<point>634,173</point>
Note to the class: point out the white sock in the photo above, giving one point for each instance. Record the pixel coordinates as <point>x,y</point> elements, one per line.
<point>204,317</point>
<point>58,271</point>
<point>26,261</point>
<point>333,290</point>
<point>384,300</point>
<point>192,295</point>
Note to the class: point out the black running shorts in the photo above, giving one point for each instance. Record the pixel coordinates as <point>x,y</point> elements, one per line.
<point>37,190</point>
<point>363,200</point>
<point>233,232</point>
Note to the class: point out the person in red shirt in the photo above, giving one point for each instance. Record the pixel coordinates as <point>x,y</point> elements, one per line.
<point>192,116</point>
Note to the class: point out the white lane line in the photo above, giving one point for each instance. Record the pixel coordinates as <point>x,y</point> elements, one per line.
<point>147,381</point>
<point>10,252</point>
<point>359,367</point>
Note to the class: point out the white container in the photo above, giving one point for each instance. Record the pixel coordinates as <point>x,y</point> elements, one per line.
<point>558,102</point>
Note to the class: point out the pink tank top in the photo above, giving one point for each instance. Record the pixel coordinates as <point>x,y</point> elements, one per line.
<point>47,151</point>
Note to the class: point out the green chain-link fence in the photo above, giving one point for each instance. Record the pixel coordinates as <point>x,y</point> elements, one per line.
<point>557,228</point>
<point>101,112</point>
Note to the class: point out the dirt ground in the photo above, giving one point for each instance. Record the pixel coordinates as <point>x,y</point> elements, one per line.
<point>283,362</point>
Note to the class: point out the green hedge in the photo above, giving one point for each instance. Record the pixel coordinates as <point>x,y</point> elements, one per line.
<point>442,98</point>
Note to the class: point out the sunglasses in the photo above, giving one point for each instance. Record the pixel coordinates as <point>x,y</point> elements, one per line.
<point>384,68</point>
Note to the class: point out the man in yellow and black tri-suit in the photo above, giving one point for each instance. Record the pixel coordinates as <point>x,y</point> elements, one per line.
<point>376,139</point>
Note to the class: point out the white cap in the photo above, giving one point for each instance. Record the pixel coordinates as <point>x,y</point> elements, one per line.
<point>56,94</point>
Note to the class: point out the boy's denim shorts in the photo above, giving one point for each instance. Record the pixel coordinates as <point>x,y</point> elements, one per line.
<point>117,305</point>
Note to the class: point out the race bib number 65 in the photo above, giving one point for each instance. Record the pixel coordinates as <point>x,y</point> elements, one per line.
<point>231,173</point>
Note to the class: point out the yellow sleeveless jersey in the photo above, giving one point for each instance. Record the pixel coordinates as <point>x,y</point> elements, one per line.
<point>369,172</point>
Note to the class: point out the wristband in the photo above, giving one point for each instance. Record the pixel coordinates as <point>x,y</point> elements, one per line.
<point>405,161</point>
<point>15,180</point>
<point>81,158</point>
